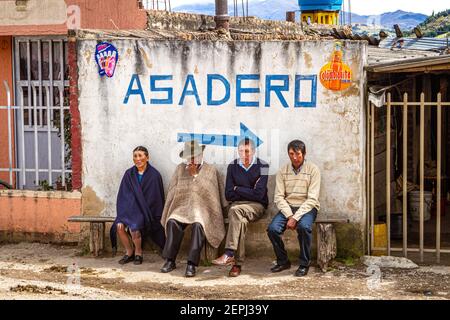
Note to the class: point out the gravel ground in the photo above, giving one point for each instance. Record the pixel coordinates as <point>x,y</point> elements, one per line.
<point>43,271</point>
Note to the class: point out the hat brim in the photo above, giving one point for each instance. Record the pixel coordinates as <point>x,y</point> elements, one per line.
<point>188,156</point>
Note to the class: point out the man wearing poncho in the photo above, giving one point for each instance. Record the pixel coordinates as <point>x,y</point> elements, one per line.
<point>195,197</point>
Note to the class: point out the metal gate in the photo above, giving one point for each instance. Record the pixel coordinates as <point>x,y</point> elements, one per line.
<point>383,117</point>
<point>40,118</point>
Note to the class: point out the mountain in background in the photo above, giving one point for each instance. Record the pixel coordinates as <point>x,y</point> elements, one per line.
<point>405,20</point>
<point>264,9</point>
<point>276,10</point>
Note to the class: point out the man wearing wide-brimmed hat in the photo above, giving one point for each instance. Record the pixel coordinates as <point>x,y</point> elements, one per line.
<point>195,197</point>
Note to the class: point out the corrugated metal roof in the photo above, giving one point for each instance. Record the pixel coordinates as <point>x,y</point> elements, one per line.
<point>425,44</point>
<point>382,55</point>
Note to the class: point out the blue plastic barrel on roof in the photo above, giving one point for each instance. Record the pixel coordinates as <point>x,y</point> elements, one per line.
<point>317,5</point>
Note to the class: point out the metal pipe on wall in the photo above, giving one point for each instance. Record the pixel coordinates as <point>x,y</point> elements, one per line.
<point>222,18</point>
<point>349,12</point>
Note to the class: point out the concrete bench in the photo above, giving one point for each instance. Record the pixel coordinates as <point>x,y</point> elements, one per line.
<point>97,231</point>
<point>325,239</point>
<point>97,237</point>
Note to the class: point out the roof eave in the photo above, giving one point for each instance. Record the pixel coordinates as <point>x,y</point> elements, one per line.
<point>412,65</point>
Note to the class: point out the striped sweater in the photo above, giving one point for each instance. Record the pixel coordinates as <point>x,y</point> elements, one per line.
<point>297,190</point>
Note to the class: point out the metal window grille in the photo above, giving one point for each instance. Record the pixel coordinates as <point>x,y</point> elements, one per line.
<point>158,5</point>
<point>403,106</point>
<point>40,118</point>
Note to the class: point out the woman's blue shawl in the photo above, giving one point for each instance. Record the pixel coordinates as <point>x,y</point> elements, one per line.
<point>140,205</point>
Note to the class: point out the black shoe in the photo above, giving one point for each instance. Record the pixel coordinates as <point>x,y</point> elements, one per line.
<point>301,271</point>
<point>126,258</point>
<point>138,259</point>
<point>168,266</point>
<point>190,271</point>
<point>279,268</point>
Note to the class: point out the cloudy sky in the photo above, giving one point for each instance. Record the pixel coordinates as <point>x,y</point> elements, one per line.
<point>367,6</point>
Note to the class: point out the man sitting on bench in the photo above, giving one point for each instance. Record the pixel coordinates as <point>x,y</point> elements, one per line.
<point>194,198</point>
<point>246,188</point>
<point>297,197</point>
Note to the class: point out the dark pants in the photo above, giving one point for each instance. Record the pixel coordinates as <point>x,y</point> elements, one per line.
<point>157,234</point>
<point>304,234</point>
<point>175,233</point>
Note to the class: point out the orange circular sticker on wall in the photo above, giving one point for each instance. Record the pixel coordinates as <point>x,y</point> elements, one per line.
<point>336,75</point>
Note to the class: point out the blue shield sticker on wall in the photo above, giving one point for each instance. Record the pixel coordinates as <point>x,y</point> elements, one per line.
<point>106,56</point>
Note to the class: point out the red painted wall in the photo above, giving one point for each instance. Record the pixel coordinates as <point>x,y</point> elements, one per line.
<point>75,124</point>
<point>110,14</point>
<point>39,213</point>
<point>95,14</point>
<point>5,74</point>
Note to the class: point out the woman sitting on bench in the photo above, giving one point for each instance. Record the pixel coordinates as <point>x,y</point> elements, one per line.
<point>140,204</point>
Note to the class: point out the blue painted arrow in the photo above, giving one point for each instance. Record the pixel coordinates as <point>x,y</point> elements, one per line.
<point>221,139</point>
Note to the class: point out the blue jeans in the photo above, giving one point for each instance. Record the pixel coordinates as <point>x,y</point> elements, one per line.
<point>304,235</point>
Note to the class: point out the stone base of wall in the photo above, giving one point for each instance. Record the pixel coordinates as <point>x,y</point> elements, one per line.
<point>17,237</point>
<point>349,240</point>
<point>39,216</point>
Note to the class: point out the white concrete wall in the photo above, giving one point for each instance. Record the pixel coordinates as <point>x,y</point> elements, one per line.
<point>333,130</point>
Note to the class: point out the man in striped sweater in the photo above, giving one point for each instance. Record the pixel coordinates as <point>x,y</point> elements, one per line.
<point>297,197</point>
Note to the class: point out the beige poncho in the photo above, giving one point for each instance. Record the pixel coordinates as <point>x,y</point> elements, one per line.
<point>199,199</point>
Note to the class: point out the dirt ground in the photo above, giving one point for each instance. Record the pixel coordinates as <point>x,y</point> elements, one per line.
<point>42,271</point>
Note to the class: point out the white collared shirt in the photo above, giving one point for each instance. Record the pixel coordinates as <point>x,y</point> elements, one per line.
<point>251,164</point>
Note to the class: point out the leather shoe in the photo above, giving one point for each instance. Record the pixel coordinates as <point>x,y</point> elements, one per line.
<point>126,258</point>
<point>301,271</point>
<point>138,260</point>
<point>279,268</point>
<point>223,260</point>
<point>190,271</point>
<point>168,266</point>
<point>235,271</point>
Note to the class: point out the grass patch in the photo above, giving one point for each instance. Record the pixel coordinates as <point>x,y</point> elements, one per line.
<point>348,261</point>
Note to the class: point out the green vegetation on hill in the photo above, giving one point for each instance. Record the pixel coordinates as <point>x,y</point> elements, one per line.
<point>436,25</point>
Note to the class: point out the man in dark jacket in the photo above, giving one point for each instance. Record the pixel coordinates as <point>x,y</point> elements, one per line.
<point>246,189</point>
